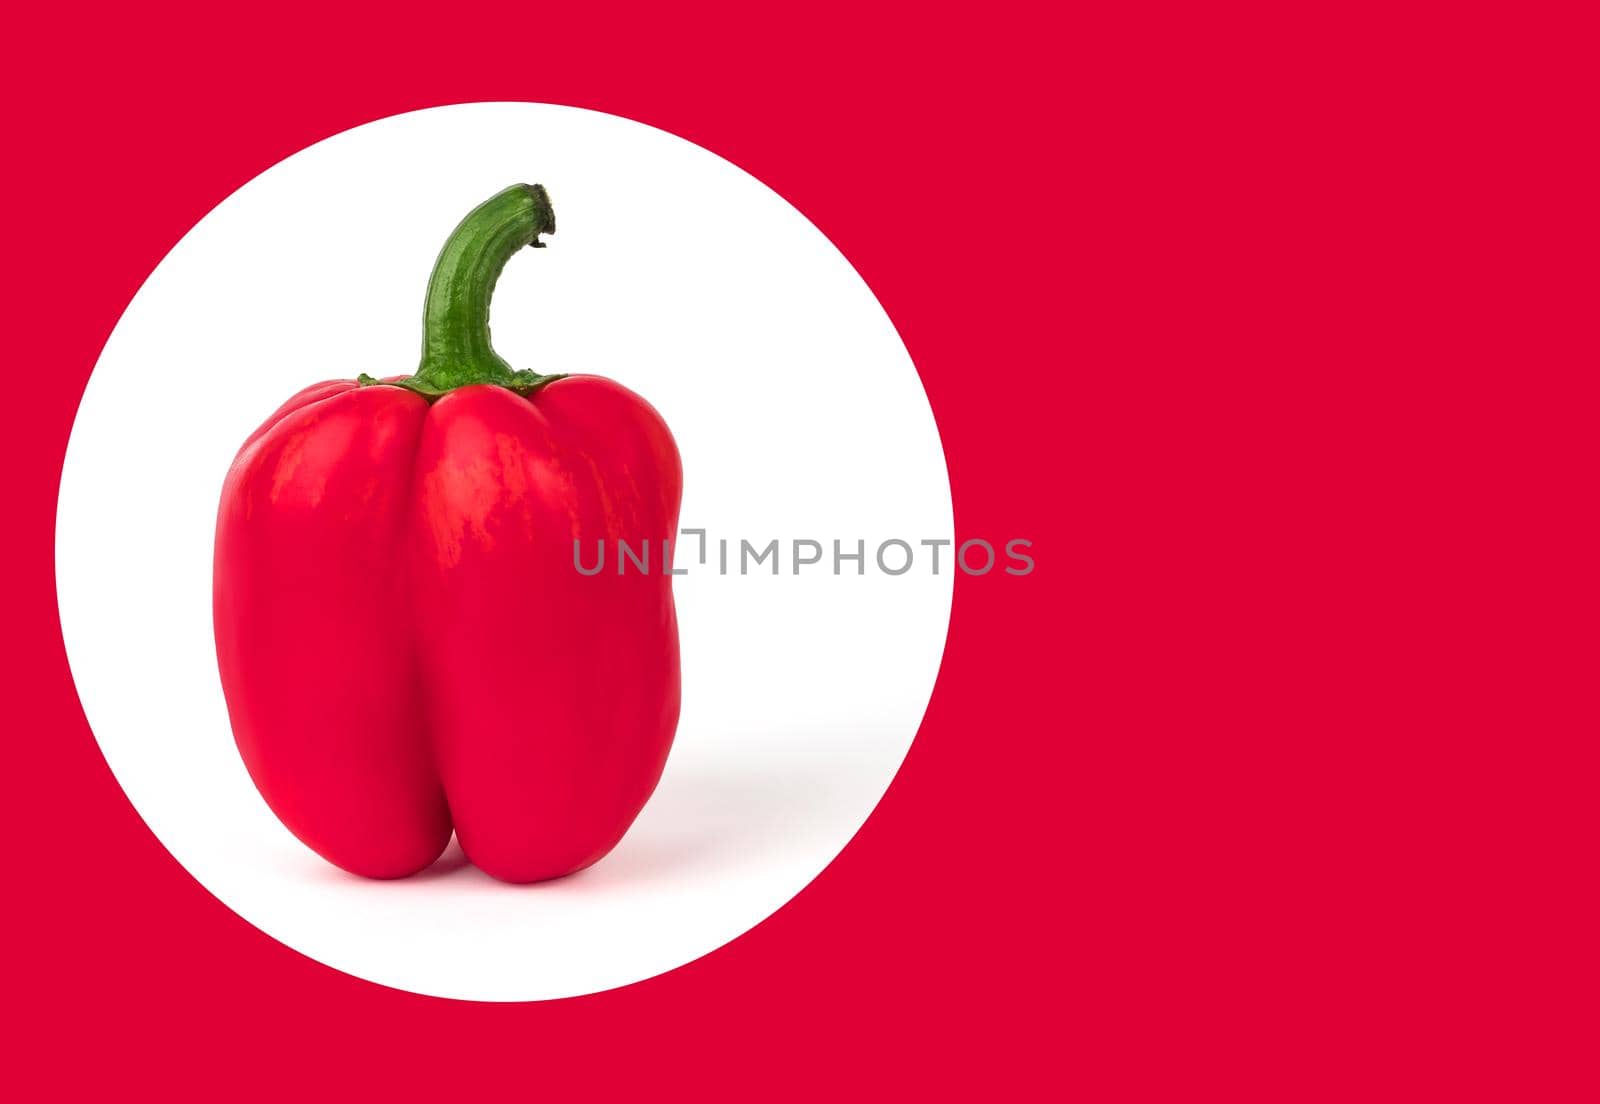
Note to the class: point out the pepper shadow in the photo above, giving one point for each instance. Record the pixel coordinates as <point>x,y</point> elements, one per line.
<point>712,818</point>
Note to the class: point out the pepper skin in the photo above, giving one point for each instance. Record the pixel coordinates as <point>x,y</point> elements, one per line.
<point>405,644</point>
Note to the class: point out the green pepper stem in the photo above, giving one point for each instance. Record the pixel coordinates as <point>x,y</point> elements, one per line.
<point>456,350</point>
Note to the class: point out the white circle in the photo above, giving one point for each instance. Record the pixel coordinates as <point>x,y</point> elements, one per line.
<point>798,414</point>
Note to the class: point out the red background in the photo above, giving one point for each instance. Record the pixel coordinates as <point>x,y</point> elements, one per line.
<point>1276,334</point>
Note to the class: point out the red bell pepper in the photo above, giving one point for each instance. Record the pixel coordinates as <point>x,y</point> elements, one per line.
<point>405,645</point>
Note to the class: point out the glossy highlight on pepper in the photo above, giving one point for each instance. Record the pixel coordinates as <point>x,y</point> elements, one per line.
<point>404,647</point>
